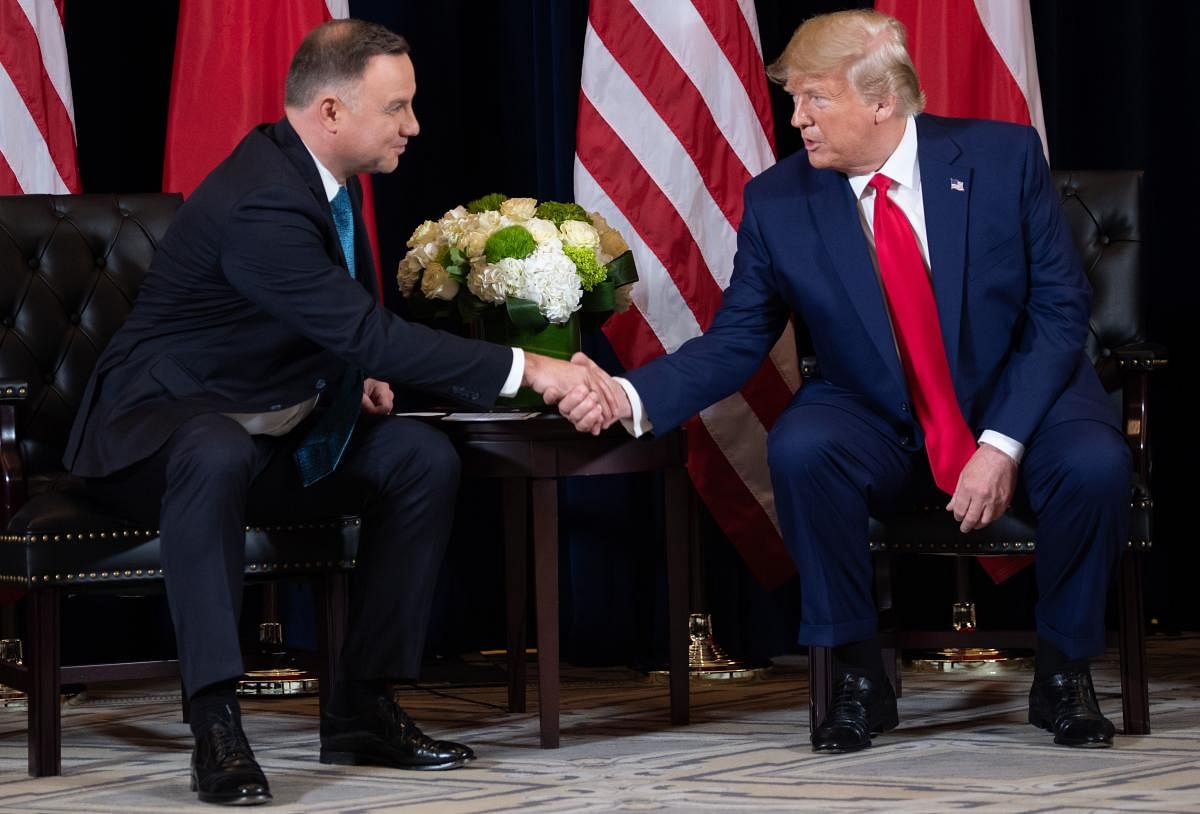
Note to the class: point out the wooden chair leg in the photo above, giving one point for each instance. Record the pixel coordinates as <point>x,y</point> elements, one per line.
<point>885,577</point>
<point>516,584</point>
<point>1131,638</point>
<point>332,620</point>
<point>677,521</point>
<point>43,661</point>
<point>820,684</point>
<point>544,493</point>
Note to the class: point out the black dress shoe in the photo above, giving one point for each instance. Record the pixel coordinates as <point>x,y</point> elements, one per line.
<point>861,708</point>
<point>1065,704</point>
<point>385,736</point>
<point>223,767</point>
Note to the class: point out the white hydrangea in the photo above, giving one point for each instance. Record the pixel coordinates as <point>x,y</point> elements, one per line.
<point>551,282</point>
<point>496,282</point>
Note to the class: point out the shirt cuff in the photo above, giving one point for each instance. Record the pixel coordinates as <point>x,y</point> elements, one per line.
<point>1011,448</point>
<point>637,424</point>
<point>517,372</point>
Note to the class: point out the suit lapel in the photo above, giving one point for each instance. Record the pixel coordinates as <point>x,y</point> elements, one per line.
<point>946,191</point>
<point>835,211</point>
<point>364,261</point>
<point>298,154</point>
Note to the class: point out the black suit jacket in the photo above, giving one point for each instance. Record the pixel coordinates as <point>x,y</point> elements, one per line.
<point>248,307</point>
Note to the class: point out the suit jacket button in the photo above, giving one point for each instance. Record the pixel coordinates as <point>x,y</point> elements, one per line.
<point>275,407</point>
<point>905,440</point>
<point>904,406</point>
<point>319,384</point>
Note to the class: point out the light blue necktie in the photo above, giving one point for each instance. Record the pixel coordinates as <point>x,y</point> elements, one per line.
<point>343,219</point>
<point>323,445</point>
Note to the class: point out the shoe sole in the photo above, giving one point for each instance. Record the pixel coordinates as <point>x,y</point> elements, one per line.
<point>225,800</point>
<point>356,759</point>
<point>1042,723</point>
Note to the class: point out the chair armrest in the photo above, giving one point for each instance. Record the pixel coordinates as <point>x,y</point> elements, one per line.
<point>1141,356</point>
<point>1136,361</point>
<point>13,490</point>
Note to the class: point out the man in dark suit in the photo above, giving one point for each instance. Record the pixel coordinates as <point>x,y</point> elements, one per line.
<point>235,388</point>
<point>931,264</point>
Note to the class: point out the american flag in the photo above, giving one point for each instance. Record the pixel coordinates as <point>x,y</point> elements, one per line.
<point>674,119</point>
<point>37,117</point>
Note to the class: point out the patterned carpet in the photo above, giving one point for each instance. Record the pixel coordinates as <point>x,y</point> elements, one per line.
<point>962,743</point>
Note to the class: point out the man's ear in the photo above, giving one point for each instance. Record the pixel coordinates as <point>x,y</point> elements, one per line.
<point>885,109</point>
<point>329,113</point>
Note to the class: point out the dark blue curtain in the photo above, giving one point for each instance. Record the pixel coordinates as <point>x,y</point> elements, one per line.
<point>497,95</point>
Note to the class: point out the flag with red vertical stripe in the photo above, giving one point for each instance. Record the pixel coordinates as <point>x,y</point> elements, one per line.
<point>37,117</point>
<point>976,59</point>
<point>231,58</point>
<point>674,119</point>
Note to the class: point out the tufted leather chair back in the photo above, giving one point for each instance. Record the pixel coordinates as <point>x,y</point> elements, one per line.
<point>70,268</point>
<point>1103,209</point>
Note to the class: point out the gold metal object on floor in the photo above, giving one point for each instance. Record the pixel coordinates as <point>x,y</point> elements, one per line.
<point>279,677</point>
<point>706,659</point>
<point>12,652</point>
<point>986,660</point>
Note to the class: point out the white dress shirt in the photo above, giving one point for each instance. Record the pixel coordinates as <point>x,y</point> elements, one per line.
<point>902,167</point>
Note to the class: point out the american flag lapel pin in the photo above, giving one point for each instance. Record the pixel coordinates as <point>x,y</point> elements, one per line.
<point>957,185</point>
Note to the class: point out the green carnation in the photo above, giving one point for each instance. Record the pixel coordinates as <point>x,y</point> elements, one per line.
<point>488,203</point>
<point>558,212</point>
<point>590,272</point>
<point>511,241</point>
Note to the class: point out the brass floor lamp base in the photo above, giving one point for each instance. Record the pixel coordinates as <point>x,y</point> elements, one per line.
<point>278,678</point>
<point>706,660</point>
<point>985,660</point>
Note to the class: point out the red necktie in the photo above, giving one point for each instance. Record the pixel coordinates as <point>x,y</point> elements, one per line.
<point>948,440</point>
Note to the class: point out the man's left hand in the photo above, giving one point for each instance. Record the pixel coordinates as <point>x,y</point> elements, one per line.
<point>377,397</point>
<point>985,488</point>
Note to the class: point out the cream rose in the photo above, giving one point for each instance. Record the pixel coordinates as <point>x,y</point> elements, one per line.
<point>437,283</point>
<point>578,233</point>
<point>519,209</point>
<point>541,229</point>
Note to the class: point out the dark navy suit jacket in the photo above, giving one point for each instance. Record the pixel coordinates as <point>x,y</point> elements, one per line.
<point>1011,295</point>
<point>247,307</point>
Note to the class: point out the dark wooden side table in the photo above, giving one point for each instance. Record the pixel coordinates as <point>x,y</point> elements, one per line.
<point>530,456</point>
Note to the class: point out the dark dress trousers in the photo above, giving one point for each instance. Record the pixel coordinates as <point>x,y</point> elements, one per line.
<point>248,307</point>
<point>1012,303</point>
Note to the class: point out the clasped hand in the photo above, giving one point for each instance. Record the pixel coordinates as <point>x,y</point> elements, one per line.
<point>586,396</point>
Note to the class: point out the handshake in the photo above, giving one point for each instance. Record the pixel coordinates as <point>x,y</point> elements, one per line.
<point>586,396</point>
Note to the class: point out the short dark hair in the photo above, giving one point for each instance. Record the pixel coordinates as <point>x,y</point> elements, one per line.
<point>336,53</point>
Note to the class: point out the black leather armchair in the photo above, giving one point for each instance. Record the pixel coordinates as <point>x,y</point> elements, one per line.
<point>70,267</point>
<point>1104,212</point>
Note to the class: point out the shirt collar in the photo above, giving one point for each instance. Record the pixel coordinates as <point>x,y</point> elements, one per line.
<point>901,165</point>
<point>327,180</point>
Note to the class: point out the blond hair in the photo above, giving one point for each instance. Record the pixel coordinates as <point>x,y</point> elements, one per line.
<point>867,47</point>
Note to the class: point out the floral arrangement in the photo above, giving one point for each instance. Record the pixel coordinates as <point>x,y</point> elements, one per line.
<point>542,262</point>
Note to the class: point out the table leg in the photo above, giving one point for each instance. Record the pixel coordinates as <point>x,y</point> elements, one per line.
<point>676,521</point>
<point>545,573</point>
<point>516,549</point>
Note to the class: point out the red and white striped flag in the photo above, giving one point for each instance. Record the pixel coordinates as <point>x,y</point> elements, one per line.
<point>674,119</point>
<point>975,59</point>
<point>231,57</point>
<point>37,117</point>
